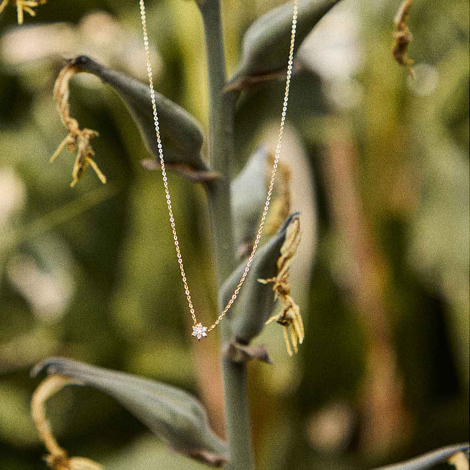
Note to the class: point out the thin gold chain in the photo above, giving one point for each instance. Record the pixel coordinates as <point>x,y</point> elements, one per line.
<point>290,64</point>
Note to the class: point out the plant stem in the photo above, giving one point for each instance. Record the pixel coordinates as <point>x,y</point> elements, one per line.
<point>220,147</point>
<point>222,152</point>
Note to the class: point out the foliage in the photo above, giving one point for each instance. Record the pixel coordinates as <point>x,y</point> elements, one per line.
<point>89,273</point>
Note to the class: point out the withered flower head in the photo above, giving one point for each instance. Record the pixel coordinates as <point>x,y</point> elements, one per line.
<point>402,37</point>
<point>289,317</point>
<point>57,458</point>
<point>22,6</point>
<point>77,140</point>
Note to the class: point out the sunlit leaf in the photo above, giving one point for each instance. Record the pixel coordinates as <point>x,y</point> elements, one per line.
<point>429,460</point>
<point>266,42</point>
<point>172,414</point>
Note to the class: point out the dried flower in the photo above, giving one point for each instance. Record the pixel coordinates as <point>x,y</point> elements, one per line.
<point>459,461</point>
<point>289,317</point>
<point>57,458</point>
<point>402,37</point>
<point>281,204</point>
<point>78,140</point>
<point>22,6</point>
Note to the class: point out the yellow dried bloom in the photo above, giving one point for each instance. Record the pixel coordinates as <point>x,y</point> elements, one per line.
<point>78,140</point>
<point>459,461</point>
<point>22,6</point>
<point>402,37</point>
<point>289,317</point>
<point>57,458</point>
<point>280,206</point>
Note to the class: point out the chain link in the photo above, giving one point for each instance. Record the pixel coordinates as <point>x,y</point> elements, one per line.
<point>290,65</point>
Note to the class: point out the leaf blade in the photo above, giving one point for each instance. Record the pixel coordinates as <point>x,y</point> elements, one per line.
<point>248,191</point>
<point>181,134</point>
<point>429,460</point>
<point>266,42</point>
<point>257,301</point>
<point>172,414</point>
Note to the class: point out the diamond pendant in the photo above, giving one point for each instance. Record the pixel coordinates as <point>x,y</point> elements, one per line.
<point>199,331</point>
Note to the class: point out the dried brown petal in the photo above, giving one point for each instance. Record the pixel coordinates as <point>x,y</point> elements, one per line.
<point>291,321</point>
<point>289,317</point>
<point>22,6</point>
<point>78,140</point>
<point>402,37</point>
<point>281,204</point>
<point>289,248</point>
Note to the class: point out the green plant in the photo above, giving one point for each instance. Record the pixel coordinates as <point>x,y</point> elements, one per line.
<point>264,52</point>
<point>174,415</point>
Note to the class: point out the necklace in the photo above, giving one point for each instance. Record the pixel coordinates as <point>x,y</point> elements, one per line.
<point>199,330</point>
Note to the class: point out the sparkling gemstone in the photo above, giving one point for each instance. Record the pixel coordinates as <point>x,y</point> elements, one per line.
<point>199,331</point>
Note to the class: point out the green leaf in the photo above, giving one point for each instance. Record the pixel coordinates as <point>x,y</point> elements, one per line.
<point>181,134</point>
<point>172,414</point>
<point>248,191</point>
<point>266,42</point>
<point>429,460</point>
<point>256,303</point>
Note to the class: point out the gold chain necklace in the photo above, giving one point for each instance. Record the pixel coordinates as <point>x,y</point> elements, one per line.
<point>199,330</point>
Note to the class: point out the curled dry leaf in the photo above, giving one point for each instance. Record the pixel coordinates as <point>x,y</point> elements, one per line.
<point>78,140</point>
<point>402,37</point>
<point>22,6</point>
<point>57,458</point>
<point>289,317</point>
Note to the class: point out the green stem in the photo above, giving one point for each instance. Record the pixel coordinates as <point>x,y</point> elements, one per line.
<point>222,152</point>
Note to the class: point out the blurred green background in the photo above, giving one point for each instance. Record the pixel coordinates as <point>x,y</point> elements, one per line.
<point>89,272</point>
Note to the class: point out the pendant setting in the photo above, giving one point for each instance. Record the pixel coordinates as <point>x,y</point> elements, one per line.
<point>199,331</point>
